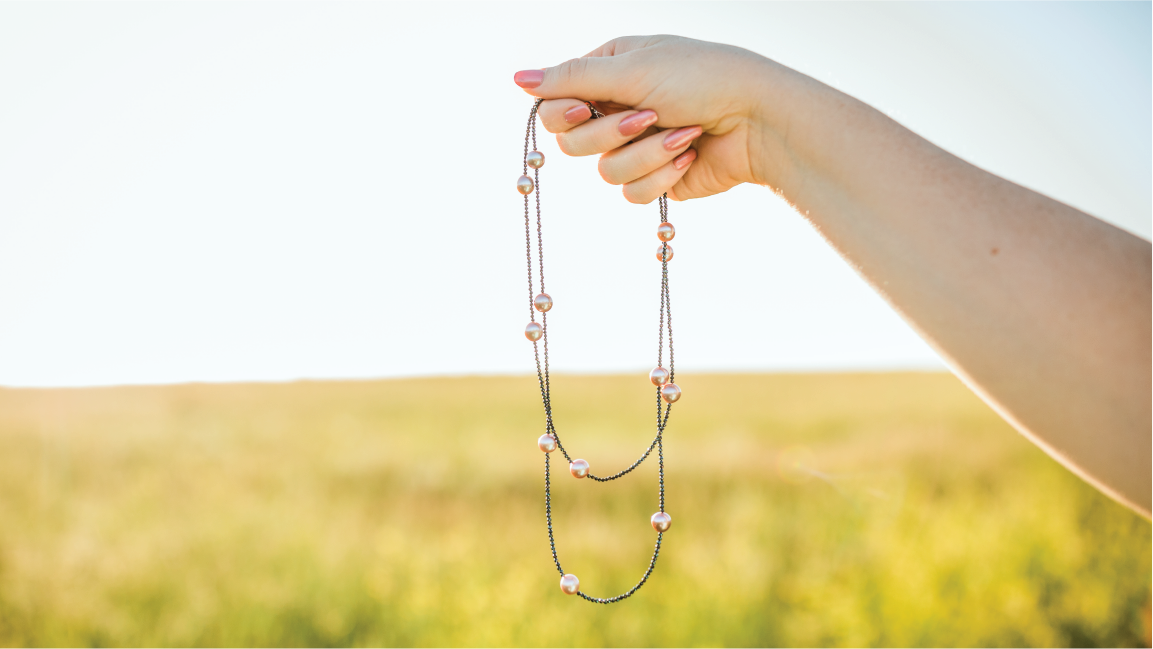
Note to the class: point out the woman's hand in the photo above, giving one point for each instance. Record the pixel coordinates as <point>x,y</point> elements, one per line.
<point>708,92</point>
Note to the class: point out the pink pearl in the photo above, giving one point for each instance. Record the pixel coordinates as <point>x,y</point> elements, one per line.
<point>534,159</point>
<point>542,302</point>
<point>546,443</point>
<point>661,521</point>
<point>533,331</point>
<point>666,232</point>
<point>578,468</point>
<point>659,376</point>
<point>664,252</point>
<point>524,185</point>
<point>569,584</point>
<point>670,392</point>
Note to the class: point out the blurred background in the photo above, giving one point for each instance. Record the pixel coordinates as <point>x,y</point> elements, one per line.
<point>265,381</point>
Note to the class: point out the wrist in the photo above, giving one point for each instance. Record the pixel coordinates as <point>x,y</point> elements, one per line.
<point>785,116</point>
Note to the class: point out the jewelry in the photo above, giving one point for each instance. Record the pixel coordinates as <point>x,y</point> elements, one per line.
<point>667,392</point>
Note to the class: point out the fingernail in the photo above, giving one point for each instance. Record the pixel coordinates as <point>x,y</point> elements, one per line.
<point>681,137</point>
<point>577,114</point>
<point>685,158</point>
<point>528,78</point>
<point>634,124</point>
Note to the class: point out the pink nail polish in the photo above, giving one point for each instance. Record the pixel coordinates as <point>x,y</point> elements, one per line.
<point>528,78</point>
<point>681,137</point>
<point>685,158</point>
<point>577,114</point>
<point>634,124</point>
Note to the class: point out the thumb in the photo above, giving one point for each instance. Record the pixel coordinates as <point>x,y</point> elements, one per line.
<point>591,78</point>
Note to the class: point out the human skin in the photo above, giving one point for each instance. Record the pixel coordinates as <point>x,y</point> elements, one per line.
<point>1041,309</point>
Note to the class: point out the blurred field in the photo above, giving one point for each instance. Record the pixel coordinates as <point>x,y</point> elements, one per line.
<point>883,509</point>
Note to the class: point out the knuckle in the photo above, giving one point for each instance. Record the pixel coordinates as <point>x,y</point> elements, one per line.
<point>605,169</point>
<point>562,142</point>
<point>690,186</point>
<point>548,116</point>
<point>571,70</point>
<point>610,48</point>
<point>633,196</point>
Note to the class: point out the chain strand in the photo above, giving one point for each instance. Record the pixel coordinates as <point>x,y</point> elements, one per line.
<point>663,410</point>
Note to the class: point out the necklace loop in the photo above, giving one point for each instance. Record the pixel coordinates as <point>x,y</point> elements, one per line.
<point>667,391</point>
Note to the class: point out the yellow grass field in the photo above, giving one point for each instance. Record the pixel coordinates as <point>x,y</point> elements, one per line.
<point>822,509</point>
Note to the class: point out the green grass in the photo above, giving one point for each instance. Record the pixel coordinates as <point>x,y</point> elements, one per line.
<point>882,509</point>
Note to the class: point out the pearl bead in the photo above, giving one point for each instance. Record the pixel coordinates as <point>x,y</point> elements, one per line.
<point>569,584</point>
<point>670,392</point>
<point>535,159</point>
<point>664,252</point>
<point>524,185</point>
<point>533,331</point>
<point>542,302</point>
<point>578,468</point>
<point>666,232</point>
<point>661,521</point>
<point>546,443</point>
<point>659,376</point>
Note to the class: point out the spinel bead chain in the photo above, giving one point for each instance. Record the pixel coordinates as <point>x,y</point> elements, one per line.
<point>667,391</point>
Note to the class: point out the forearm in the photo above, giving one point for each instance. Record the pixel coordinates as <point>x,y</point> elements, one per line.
<point>1043,310</point>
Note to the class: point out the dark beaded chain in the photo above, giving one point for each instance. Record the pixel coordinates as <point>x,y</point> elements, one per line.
<point>542,302</point>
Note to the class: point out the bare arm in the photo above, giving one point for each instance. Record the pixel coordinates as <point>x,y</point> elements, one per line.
<point>1041,309</point>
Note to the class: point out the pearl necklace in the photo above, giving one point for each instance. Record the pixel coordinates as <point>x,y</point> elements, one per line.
<point>666,390</point>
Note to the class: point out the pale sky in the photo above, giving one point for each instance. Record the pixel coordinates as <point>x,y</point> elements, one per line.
<point>267,191</point>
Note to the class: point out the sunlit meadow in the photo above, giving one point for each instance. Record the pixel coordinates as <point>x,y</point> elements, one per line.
<point>825,509</point>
